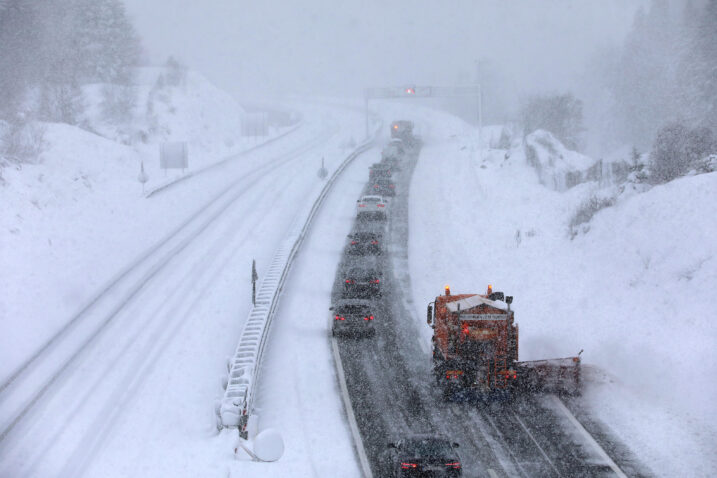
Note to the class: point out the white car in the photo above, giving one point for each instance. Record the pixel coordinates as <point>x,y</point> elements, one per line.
<point>370,207</point>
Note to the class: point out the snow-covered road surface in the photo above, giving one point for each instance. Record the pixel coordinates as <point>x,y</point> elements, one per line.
<point>136,397</point>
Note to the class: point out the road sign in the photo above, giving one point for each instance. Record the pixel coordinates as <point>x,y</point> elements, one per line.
<point>173,155</point>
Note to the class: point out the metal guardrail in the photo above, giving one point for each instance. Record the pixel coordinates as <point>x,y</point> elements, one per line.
<point>244,368</point>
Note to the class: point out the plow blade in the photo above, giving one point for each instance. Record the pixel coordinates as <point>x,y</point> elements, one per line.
<point>550,376</point>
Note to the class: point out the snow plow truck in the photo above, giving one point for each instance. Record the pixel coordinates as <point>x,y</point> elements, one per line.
<point>475,351</point>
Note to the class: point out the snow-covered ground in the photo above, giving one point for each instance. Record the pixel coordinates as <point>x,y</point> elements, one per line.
<point>634,291</point>
<point>73,220</point>
<point>140,399</point>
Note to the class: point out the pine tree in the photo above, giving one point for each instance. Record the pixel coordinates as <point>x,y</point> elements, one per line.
<point>705,67</point>
<point>645,75</point>
<point>19,34</point>
<point>107,44</point>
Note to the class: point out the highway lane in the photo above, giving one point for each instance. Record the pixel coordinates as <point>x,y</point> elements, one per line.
<point>391,385</point>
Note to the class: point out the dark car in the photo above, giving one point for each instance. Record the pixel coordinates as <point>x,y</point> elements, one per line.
<point>394,149</point>
<point>353,317</point>
<point>380,170</point>
<point>362,282</point>
<point>384,187</point>
<point>424,455</point>
<point>364,244</point>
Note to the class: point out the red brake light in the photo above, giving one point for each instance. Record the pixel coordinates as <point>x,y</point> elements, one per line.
<point>407,466</point>
<point>374,243</point>
<point>370,317</point>
<point>380,205</point>
<point>362,205</point>
<point>349,281</point>
<point>455,465</point>
<point>338,317</point>
<point>353,243</point>
<point>376,281</point>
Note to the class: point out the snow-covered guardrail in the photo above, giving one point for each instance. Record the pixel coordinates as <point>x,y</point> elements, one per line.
<point>237,404</point>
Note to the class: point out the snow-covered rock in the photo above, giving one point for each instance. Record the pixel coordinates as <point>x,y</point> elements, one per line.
<point>558,167</point>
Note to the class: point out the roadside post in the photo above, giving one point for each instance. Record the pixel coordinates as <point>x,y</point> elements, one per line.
<point>323,172</point>
<point>143,177</point>
<point>254,277</point>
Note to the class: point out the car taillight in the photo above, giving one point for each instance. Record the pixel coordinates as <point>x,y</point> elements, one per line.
<point>456,465</point>
<point>338,317</point>
<point>380,205</point>
<point>362,205</point>
<point>408,466</point>
<point>370,317</point>
<point>349,281</point>
<point>353,243</point>
<point>375,281</point>
<point>375,243</point>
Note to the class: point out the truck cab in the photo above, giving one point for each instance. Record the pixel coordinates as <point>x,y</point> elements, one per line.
<point>475,343</point>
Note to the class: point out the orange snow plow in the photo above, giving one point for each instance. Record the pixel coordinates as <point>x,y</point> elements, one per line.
<point>475,351</point>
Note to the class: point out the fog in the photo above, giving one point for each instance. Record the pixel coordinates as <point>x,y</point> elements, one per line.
<point>337,48</point>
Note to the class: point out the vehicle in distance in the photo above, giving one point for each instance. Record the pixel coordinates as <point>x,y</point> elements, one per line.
<point>362,282</point>
<point>394,149</point>
<point>353,317</point>
<point>371,207</point>
<point>384,187</point>
<point>379,170</point>
<point>402,129</point>
<point>424,455</point>
<point>364,243</point>
<point>393,153</point>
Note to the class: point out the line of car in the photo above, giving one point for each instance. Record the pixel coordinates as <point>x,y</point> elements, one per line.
<point>358,309</point>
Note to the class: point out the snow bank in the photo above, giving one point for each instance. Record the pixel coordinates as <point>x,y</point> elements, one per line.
<point>558,167</point>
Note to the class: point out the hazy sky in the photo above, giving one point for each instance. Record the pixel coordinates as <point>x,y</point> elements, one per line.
<point>334,47</point>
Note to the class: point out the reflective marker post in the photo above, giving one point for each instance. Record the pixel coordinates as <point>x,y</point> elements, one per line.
<point>254,277</point>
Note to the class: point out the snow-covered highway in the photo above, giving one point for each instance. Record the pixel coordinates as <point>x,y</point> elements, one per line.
<point>131,369</point>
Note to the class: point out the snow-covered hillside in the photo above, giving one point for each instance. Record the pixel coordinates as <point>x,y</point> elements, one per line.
<point>634,290</point>
<point>72,220</point>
